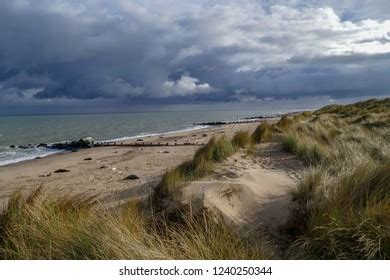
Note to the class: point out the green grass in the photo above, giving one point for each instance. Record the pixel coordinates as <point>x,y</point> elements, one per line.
<point>285,123</point>
<point>312,152</point>
<point>370,106</point>
<point>44,227</point>
<point>343,203</point>
<point>308,186</point>
<point>263,133</point>
<point>241,139</point>
<point>345,218</point>
<point>216,150</point>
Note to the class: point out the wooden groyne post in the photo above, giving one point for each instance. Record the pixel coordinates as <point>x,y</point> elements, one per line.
<point>145,144</point>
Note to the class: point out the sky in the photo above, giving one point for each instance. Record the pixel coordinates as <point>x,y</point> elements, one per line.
<point>120,54</point>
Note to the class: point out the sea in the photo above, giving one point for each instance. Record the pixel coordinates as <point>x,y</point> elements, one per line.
<point>36,129</point>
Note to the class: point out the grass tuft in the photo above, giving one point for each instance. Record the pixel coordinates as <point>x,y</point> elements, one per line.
<point>216,150</point>
<point>308,185</point>
<point>241,139</point>
<point>263,133</point>
<point>312,152</point>
<point>285,123</point>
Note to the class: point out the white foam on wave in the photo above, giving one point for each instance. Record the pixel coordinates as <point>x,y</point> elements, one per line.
<point>15,155</point>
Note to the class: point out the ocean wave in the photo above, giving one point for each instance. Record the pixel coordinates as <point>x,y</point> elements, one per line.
<point>13,155</point>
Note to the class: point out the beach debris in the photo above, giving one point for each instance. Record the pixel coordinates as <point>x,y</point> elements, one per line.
<point>114,169</point>
<point>204,135</point>
<point>163,152</point>
<point>161,137</point>
<point>45,175</point>
<point>61,170</point>
<point>103,167</point>
<point>42,145</point>
<point>38,157</point>
<point>131,177</point>
<point>87,159</point>
<point>140,140</point>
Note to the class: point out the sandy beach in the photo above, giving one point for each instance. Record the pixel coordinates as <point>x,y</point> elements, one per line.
<point>102,171</point>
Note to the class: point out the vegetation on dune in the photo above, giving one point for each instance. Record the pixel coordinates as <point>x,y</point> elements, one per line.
<point>241,139</point>
<point>308,185</point>
<point>347,217</point>
<point>216,150</point>
<point>262,133</point>
<point>308,149</point>
<point>285,123</point>
<point>44,227</point>
<point>343,201</point>
<point>372,106</point>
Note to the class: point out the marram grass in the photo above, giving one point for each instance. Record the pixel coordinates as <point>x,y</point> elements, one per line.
<point>241,139</point>
<point>263,133</point>
<point>43,227</point>
<point>343,204</point>
<point>216,150</point>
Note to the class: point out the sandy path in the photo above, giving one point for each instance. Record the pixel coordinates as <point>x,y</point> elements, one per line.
<point>251,191</point>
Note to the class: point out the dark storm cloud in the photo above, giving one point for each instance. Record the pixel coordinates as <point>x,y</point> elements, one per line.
<point>188,51</point>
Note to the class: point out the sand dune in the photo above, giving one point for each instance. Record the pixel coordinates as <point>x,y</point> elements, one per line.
<point>249,190</point>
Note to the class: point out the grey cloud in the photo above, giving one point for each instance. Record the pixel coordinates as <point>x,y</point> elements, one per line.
<point>191,51</point>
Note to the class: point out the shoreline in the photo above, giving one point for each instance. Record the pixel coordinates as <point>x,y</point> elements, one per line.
<point>196,127</point>
<point>26,152</point>
<point>101,171</point>
<point>125,139</point>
